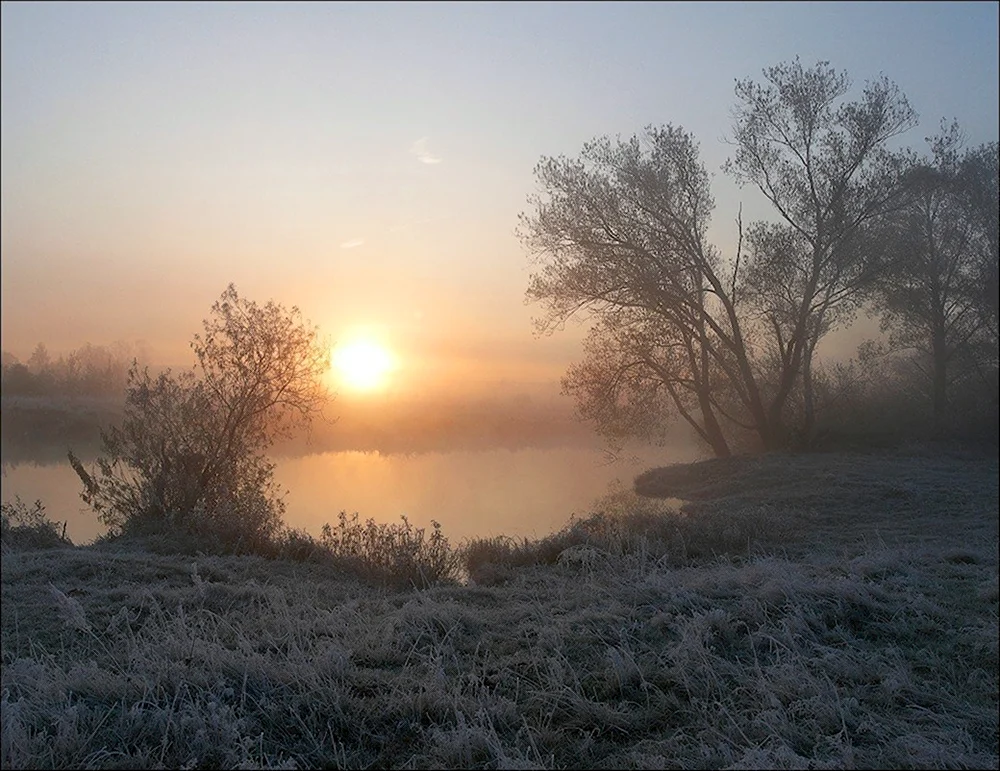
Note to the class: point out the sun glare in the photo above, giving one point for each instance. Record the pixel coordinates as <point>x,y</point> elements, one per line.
<point>363,365</point>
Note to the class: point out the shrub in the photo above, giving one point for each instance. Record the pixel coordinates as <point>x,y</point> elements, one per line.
<point>397,555</point>
<point>489,561</point>
<point>27,527</point>
<point>190,453</point>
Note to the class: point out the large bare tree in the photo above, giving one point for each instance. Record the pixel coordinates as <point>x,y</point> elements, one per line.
<point>825,166</point>
<point>619,237</point>
<point>621,233</point>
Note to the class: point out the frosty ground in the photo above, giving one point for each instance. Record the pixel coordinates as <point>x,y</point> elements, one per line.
<point>831,610</point>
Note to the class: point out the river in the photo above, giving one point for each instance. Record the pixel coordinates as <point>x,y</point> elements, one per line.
<point>520,492</point>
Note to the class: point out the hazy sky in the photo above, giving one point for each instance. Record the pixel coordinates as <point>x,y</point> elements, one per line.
<point>367,161</point>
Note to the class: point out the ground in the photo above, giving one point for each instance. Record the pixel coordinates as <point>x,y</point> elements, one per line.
<point>841,612</point>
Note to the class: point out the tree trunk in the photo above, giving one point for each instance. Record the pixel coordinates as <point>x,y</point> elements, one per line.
<point>808,399</point>
<point>713,431</point>
<point>772,432</point>
<point>939,386</point>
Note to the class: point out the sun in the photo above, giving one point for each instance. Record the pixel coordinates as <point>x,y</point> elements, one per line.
<point>363,365</point>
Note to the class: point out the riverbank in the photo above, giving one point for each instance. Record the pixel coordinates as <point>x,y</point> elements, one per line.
<point>916,494</point>
<point>788,639</point>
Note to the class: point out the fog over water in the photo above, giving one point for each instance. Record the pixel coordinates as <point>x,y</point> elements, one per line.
<point>511,460</point>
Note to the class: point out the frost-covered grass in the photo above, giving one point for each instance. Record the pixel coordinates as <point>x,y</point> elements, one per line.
<point>924,493</point>
<point>635,638</point>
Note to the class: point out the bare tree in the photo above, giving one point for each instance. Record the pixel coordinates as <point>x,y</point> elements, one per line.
<point>619,235</point>
<point>979,191</point>
<point>824,166</point>
<point>940,298</point>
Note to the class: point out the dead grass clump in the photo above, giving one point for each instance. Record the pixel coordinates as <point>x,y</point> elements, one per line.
<point>494,561</point>
<point>962,557</point>
<point>491,561</point>
<point>397,555</point>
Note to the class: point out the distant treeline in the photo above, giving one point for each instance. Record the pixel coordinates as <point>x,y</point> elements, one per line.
<point>885,396</point>
<point>503,421</point>
<point>91,370</point>
<point>39,429</point>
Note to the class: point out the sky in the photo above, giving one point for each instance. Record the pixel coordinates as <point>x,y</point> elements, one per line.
<point>367,161</point>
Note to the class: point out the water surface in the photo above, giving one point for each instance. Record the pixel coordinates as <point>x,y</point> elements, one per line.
<point>524,492</point>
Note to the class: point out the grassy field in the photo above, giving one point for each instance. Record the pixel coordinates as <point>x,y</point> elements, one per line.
<point>820,611</point>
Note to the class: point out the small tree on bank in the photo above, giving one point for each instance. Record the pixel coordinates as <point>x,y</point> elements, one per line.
<point>190,454</point>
